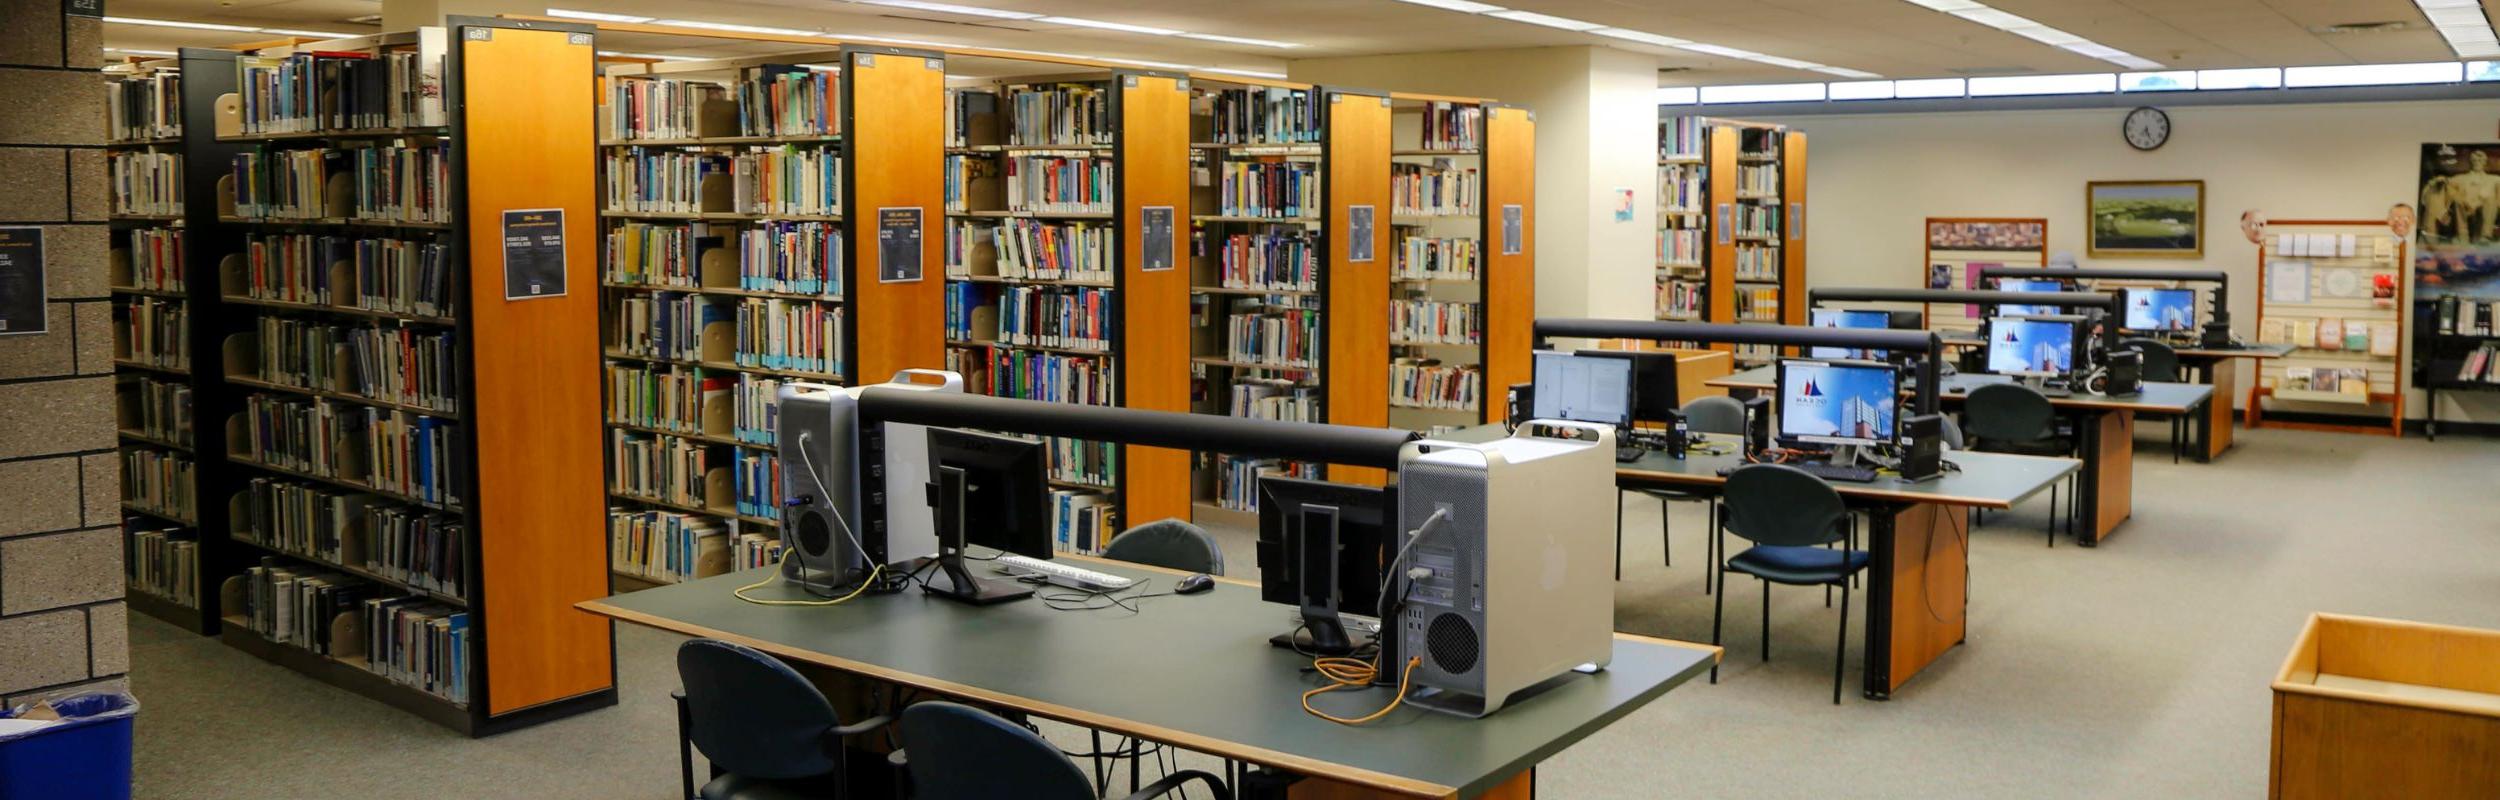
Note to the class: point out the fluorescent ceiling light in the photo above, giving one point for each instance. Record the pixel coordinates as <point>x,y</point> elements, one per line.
<point>1457,5</point>
<point>1718,50</point>
<point>1846,72</point>
<point>2084,83</point>
<point>2477,50</point>
<point>2133,62</point>
<point>1947,6</point>
<point>1250,72</point>
<point>1643,37</point>
<point>2431,4</point>
<point>1995,19</point>
<point>1547,20</point>
<point>1861,90</point>
<point>1763,93</point>
<point>731,26</point>
<point>1082,22</point>
<point>651,56</point>
<point>1678,95</point>
<point>595,16</point>
<point>2257,78</point>
<point>1212,37</point>
<point>2449,17</point>
<point>950,8</point>
<point>2092,50</point>
<point>1143,63</point>
<point>2374,74</point>
<point>140,52</point>
<point>172,23</point>
<point>2045,35</point>
<point>1790,63</point>
<point>2024,27</point>
<point>1928,87</point>
<point>323,34</point>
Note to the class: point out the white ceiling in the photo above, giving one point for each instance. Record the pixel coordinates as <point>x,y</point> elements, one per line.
<point>1892,38</point>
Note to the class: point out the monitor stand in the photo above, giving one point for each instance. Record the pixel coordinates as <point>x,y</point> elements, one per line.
<point>959,583</point>
<point>1314,543</point>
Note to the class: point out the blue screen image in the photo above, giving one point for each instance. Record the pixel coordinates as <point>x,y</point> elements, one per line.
<point>1837,403</point>
<point>2030,346</point>
<point>2027,285</point>
<point>2161,309</point>
<point>1837,318</point>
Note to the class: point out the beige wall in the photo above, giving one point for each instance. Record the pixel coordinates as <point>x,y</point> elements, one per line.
<point>1875,177</point>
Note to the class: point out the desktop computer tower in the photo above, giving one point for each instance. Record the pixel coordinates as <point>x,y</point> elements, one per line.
<point>835,518</point>
<point>1520,587</point>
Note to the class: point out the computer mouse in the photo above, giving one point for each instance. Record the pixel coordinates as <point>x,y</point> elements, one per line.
<point>1194,584</point>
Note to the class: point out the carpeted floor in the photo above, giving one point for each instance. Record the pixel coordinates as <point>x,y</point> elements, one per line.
<point>2137,669</point>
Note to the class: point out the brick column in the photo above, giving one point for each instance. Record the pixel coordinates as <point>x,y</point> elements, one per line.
<point>62,623</point>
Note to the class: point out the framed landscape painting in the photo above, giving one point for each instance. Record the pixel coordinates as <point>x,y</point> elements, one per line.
<point>2146,219</point>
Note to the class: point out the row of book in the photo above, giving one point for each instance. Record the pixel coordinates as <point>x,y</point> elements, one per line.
<point>1680,299</point>
<point>1453,126</point>
<point>418,548</point>
<point>642,107</point>
<point>165,562</point>
<point>1268,115</point>
<point>329,90</point>
<point>1683,137</point>
<point>392,451</point>
<point>758,483</point>
<point>786,180</point>
<point>401,182</point>
<point>758,408</point>
<point>1059,114</point>
<point>161,482</point>
<point>1682,247</point>
<point>664,325</point>
<point>959,171</point>
<point>792,257</point>
<point>1757,180</point>
<point>782,100</point>
<point>1085,462</point>
<point>1442,258</point>
<point>282,184</point>
<point>1257,333</point>
<point>649,254</point>
<point>1032,375</point>
<point>146,182</point>
<point>1683,188</point>
<point>1269,189</point>
<point>1057,184</point>
<point>667,546</point>
<point>1237,478</point>
<point>2460,316</point>
<point>661,396</point>
<point>401,276</point>
<point>1756,353</point>
<point>2481,365</point>
<point>419,644</point>
<point>1427,383</point>
<point>1044,250</point>
<point>1435,322</point>
<point>1440,188</point>
<point>1757,221</point>
<point>657,181</point>
<point>2376,337</point>
<point>299,606</point>
<point>798,335</point>
<point>156,332</point>
<point>391,364</point>
<point>1082,521</point>
<point>2353,381</point>
<point>663,468</point>
<point>158,408</point>
<point>1758,303</point>
<point>1274,398</point>
<point>1278,259</point>
<point>156,259</point>
<point>144,106</point>
<point>1073,317</point>
<point>1757,262</point>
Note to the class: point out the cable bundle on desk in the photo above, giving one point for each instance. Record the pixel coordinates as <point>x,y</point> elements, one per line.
<point>1354,673</point>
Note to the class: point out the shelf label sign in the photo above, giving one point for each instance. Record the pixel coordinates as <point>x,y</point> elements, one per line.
<point>1514,228</point>
<point>1726,223</point>
<point>1797,221</point>
<point>82,8</point>
<point>22,282</point>
<point>1358,244</point>
<point>533,253</point>
<point>898,245</point>
<point>1159,248</point>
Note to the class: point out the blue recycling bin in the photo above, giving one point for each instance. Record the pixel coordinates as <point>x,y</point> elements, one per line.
<point>85,757</point>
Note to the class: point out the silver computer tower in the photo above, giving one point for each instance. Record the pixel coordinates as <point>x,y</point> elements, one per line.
<point>1521,586</point>
<point>826,520</point>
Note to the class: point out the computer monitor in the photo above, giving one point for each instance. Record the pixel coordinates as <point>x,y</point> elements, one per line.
<point>1848,318</point>
<point>988,490</point>
<point>2038,346</point>
<point>1583,388</point>
<point>1320,550</point>
<point>1838,402</point>
<point>1654,393</point>
<point>2028,285</point>
<point>2160,310</point>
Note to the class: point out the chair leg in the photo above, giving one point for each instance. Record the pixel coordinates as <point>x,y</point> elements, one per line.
<point>2053,514</point>
<point>1718,613</point>
<point>1710,547</point>
<point>1840,651</point>
<point>1766,621</point>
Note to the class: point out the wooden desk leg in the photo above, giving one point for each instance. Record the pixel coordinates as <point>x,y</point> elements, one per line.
<point>1520,787</point>
<point>1915,601</point>
<point>2214,429</point>
<point>2108,474</point>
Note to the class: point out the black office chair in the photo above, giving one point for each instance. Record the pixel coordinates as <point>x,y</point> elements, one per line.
<point>2161,364</point>
<point>963,753</point>
<point>1170,544</point>
<point>769,734</point>
<point>1790,516</point>
<point>2011,418</point>
<point>1723,415</point>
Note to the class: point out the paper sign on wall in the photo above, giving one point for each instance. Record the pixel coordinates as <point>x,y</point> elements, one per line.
<point>898,245</point>
<point>533,253</point>
<point>22,287</point>
<point>1158,225</point>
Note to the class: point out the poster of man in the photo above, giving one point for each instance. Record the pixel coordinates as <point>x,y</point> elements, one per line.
<point>2457,230</point>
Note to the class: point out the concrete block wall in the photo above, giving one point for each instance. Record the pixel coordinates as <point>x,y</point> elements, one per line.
<point>62,622</point>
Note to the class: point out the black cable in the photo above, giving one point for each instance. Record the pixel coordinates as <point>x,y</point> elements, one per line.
<point>1086,600</point>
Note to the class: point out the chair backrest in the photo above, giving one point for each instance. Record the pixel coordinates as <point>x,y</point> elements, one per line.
<point>753,715</point>
<point>1170,544</point>
<point>2161,362</point>
<point>963,753</point>
<point>1776,504</point>
<point>1952,433</point>
<point>1720,414</point>
<point>2005,412</point>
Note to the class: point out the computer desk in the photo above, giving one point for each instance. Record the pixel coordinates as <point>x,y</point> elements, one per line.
<point>1917,537</point>
<point>2105,424</point>
<point>2214,367</point>
<point>1193,671</point>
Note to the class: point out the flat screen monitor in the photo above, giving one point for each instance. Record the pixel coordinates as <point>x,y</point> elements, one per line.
<point>2028,285</point>
<point>987,490</point>
<point>2161,310</point>
<point>2036,345</point>
<point>1848,318</point>
<point>1319,550</point>
<point>1583,388</point>
<point>1838,402</point>
<point>1654,393</point>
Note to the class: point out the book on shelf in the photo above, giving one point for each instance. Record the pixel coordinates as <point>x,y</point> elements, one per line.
<point>786,180</point>
<point>1440,188</point>
<point>1682,137</point>
<point>785,100</point>
<point>154,331</point>
<point>667,469</point>
<point>757,415</point>
<point>655,254</point>
<point>298,606</point>
<point>1757,221</point>
<point>1089,463</point>
<point>1452,126</point>
<point>1274,398</point>
<point>641,107</point>
<point>1758,304</point>
<point>1268,189</point>
<point>971,117</point>
<point>391,451</point>
<point>1082,522</point>
<point>1681,299</point>
<point>145,182</point>
<point>966,175</point>
<point>1049,250</point>
<point>164,561</point>
<point>1757,263</point>
<point>288,184</point>
<point>1057,184</point>
<point>402,276</point>
<point>1260,332</point>
<point>159,409</point>
<point>798,335</point>
<point>1682,188</point>
<point>655,180</point>
<point>1757,181</point>
<point>662,396</point>
<point>1428,383</point>
<point>155,257</point>
<point>418,548</point>
<point>1436,322</point>
<point>667,546</point>
<point>145,106</point>
<point>304,519</point>
<point>1031,375</point>
<point>394,364</point>
<point>666,325</point>
<point>791,257</point>
<point>1237,478</point>
<point>1262,115</point>
<point>399,182</point>
<point>757,482</point>
<point>1684,247</point>
<point>2480,365</point>
<point>329,91</point>
<point>1066,114</point>
<point>1429,258</point>
<point>161,482</point>
<point>1073,317</point>
<point>419,644</point>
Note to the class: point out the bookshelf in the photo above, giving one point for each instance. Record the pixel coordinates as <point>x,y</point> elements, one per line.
<point>1739,257</point>
<point>1437,329</point>
<point>407,427</point>
<point>2335,290</point>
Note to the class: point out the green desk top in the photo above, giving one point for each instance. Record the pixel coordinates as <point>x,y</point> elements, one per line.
<point>1986,480</point>
<point>2164,398</point>
<point>1196,671</point>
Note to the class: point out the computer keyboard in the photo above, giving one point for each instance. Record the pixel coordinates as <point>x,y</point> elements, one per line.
<point>1059,574</point>
<point>1836,472</point>
<point>1627,455</point>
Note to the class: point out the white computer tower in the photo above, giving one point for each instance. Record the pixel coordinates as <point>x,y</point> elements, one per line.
<point>1521,583</point>
<point>818,441</point>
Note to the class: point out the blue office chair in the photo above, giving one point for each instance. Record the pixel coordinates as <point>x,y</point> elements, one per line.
<point>963,753</point>
<point>1704,415</point>
<point>2010,418</point>
<point>769,734</point>
<point>1170,544</point>
<point>1791,517</point>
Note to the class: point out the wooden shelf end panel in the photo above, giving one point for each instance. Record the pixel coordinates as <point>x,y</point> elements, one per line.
<point>1154,303</point>
<point>1355,321</point>
<point>897,156</point>
<point>1510,267</point>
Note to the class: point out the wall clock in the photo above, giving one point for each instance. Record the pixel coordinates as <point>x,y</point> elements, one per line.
<point>2146,128</point>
